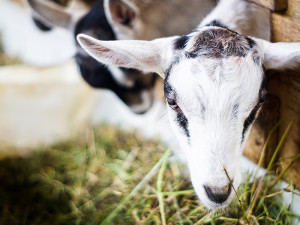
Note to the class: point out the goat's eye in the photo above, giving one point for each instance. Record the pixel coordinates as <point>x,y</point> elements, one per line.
<point>172,103</point>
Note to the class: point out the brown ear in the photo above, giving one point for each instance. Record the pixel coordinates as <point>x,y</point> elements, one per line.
<point>121,12</point>
<point>50,13</point>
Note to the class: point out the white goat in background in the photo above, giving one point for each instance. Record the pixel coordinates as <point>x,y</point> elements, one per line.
<point>214,86</point>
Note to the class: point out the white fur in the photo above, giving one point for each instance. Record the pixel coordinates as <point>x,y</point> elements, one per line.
<point>215,137</point>
<point>216,84</point>
<point>280,55</point>
<point>142,55</point>
<point>120,77</point>
<point>21,38</point>
<point>240,16</point>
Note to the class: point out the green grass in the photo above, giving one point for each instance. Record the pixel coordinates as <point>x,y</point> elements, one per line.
<point>108,176</point>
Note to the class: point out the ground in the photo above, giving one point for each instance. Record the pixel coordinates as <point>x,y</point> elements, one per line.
<point>101,178</point>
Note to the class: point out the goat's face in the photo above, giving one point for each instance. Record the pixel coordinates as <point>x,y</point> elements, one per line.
<point>214,89</point>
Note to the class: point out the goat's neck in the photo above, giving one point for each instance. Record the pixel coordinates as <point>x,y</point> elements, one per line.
<point>241,16</point>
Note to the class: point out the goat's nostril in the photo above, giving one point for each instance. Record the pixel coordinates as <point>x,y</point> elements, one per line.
<point>226,188</point>
<point>218,195</point>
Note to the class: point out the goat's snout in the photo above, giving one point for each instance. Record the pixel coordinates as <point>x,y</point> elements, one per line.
<point>216,194</point>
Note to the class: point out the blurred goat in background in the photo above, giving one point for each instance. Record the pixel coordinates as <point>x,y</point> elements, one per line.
<point>120,19</point>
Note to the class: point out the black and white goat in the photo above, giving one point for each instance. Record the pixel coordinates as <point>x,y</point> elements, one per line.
<point>132,88</point>
<point>213,85</point>
<point>129,20</point>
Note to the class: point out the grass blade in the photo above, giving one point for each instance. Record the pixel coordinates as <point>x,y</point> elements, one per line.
<point>279,147</point>
<point>283,172</point>
<point>242,207</point>
<point>185,192</point>
<point>159,188</point>
<point>262,155</point>
<point>151,173</point>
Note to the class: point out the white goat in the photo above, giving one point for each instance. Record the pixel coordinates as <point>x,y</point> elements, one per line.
<point>214,86</point>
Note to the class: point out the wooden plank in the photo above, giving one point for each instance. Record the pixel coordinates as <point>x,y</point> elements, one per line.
<point>286,26</point>
<point>273,5</point>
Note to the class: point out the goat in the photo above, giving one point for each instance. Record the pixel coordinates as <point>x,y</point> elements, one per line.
<point>129,23</point>
<point>133,90</point>
<point>214,85</point>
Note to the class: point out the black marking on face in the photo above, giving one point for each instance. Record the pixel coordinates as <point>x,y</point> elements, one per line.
<point>183,123</point>
<point>168,90</point>
<point>170,95</point>
<point>251,42</point>
<point>220,43</point>
<point>250,119</point>
<point>261,98</point>
<point>263,90</point>
<point>256,58</point>
<point>181,42</point>
<point>168,70</point>
<point>235,109</point>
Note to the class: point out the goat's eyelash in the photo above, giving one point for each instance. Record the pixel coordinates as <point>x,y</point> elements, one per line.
<point>172,103</point>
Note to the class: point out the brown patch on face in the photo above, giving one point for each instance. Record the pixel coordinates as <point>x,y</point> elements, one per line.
<point>220,43</point>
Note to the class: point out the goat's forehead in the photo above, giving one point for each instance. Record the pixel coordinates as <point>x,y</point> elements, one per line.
<point>212,80</point>
<point>217,42</point>
<point>215,71</point>
<point>212,56</point>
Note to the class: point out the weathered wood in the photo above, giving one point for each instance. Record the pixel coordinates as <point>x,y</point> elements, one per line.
<point>267,119</point>
<point>286,26</point>
<point>273,5</point>
<point>289,94</point>
<point>284,87</point>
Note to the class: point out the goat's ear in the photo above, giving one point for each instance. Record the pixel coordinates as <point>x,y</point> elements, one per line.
<point>280,55</point>
<point>147,56</point>
<point>121,12</point>
<point>123,16</point>
<point>50,13</point>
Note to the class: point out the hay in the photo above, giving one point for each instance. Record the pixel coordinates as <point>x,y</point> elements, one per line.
<point>83,181</point>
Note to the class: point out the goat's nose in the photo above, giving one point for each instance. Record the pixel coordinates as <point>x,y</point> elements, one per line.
<point>216,194</point>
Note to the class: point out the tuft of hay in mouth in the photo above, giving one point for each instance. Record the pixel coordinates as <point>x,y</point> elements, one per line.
<point>108,176</point>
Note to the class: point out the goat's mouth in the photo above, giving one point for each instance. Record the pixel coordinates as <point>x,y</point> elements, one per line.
<point>216,201</point>
<point>215,196</point>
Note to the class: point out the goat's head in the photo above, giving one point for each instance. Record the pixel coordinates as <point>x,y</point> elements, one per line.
<point>146,20</point>
<point>214,87</point>
<point>129,85</point>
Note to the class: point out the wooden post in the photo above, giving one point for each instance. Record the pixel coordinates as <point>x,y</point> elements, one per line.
<point>283,101</point>
<point>273,5</point>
